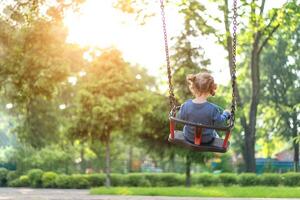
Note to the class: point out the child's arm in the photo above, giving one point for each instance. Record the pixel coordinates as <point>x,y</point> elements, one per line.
<point>182,112</point>
<point>219,117</point>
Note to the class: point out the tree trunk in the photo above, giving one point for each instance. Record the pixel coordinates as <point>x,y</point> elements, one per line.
<point>82,161</point>
<point>172,162</point>
<point>250,127</point>
<point>107,161</point>
<point>255,81</point>
<point>188,171</point>
<point>295,143</point>
<point>130,159</point>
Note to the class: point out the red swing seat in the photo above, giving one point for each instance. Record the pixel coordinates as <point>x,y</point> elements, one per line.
<point>176,136</point>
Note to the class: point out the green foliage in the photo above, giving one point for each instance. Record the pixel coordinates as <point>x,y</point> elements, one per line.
<point>3,177</point>
<point>22,181</point>
<point>96,180</point>
<point>154,179</point>
<point>291,179</point>
<point>118,179</point>
<point>48,179</point>
<point>248,179</point>
<point>206,179</point>
<point>64,181</point>
<point>228,179</point>
<point>171,179</point>
<point>270,179</point>
<point>79,181</point>
<point>138,180</point>
<point>11,175</point>
<point>35,177</point>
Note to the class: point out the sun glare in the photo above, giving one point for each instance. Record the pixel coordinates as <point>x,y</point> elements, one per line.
<point>98,24</point>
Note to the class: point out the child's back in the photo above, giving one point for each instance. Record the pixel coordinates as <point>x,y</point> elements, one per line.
<point>199,110</point>
<point>204,113</point>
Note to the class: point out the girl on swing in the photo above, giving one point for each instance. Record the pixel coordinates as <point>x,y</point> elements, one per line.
<point>199,110</point>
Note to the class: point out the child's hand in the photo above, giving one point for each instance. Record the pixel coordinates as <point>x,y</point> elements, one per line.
<point>228,112</point>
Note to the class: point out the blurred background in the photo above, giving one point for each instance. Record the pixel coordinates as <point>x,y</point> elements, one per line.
<point>83,84</point>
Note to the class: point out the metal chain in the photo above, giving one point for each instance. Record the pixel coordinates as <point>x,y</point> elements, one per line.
<point>233,75</point>
<point>171,88</point>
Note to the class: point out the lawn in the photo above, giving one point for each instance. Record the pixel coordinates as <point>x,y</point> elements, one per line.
<point>233,191</point>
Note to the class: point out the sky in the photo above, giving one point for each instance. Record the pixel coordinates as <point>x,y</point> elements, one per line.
<point>99,24</point>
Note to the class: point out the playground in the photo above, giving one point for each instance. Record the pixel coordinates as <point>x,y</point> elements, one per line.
<point>149,99</point>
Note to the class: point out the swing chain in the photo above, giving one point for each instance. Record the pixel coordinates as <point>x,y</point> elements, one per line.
<point>171,88</point>
<point>233,75</point>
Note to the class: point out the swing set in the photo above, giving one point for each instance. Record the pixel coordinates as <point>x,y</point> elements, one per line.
<point>176,136</point>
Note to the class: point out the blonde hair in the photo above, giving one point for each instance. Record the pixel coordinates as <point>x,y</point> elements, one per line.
<point>201,83</point>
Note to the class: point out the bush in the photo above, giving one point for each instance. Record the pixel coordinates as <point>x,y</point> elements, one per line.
<point>3,174</point>
<point>270,179</point>
<point>22,181</point>
<point>291,179</point>
<point>172,179</point>
<point>206,179</point>
<point>48,179</point>
<point>228,179</point>
<point>96,180</point>
<point>248,179</point>
<point>138,180</point>
<point>63,181</point>
<point>117,179</point>
<point>11,175</point>
<point>79,181</point>
<point>154,179</point>
<point>35,177</point>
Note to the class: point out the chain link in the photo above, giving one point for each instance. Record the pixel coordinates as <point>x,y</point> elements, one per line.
<point>171,88</point>
<point>233,75</point>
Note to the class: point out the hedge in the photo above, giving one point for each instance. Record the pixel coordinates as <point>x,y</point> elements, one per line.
<point>291,179</point>
<point>38,179</point>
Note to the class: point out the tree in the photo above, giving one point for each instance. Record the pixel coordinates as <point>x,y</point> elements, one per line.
<point>109,96</point>
<point>257,33</point>
<point>281,82</point>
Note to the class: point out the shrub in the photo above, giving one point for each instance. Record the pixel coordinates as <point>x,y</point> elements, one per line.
<point>138,180</point>
<point>35,177</point>
<point>248,179</point>
<point>3,174</point>
<point>63,181</point>
<point>154,179</point>
<point>291,179</point>
<point>270,179</point>
<point>228,179</point>
<point>118,179</point>
<point>96,180</point>
<point>22,181</point>
<point>79,181</point>
<point>11,175</point>
<point>206,179</point>
<point>48,179</point>
<point>172,179</point>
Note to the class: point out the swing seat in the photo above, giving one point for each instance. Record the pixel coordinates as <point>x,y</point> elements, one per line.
<point>215,146</point>
<point>176,137</point>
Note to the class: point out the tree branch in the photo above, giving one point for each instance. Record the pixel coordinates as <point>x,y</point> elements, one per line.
<point>262,7</point>
<point>267,39</point>
<point>270,22</point>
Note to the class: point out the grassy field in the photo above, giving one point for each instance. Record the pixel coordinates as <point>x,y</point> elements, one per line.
<point>234,191</point>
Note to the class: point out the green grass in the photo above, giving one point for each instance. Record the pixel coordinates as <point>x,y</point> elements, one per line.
<point>234,191</point>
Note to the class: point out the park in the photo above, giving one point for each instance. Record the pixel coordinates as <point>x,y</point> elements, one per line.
<point>149,99</point>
